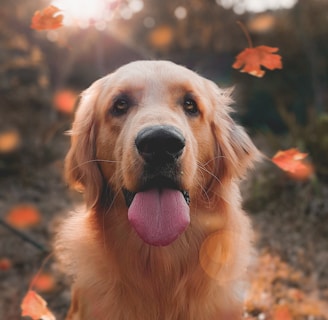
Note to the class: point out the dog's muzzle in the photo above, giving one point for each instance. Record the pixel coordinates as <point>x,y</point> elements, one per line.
<point>160,147</point>
<point>159,210</point>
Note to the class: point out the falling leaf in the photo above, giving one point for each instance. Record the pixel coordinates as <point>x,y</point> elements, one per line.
<point>47,19</point>
<point>35,307</point>
<point>23,216</point>
<point>251,60</point>
<point>5,264</point>
<point>288,159</point>
<point>64,100</point>
<point>9,141</point>
<point>43,282</point>
<point>292,161</point>
<point>303,172</point>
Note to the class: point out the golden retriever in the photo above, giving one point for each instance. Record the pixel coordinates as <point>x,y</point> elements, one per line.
<point>163,236</point>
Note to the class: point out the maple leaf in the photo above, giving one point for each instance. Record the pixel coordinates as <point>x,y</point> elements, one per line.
<point>23,216</point>
<point>292,161</point>
<point>47,19</point>
<point>251,60</point>
<point>35,307</point>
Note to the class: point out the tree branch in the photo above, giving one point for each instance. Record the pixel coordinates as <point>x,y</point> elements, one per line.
<point>24,236</point>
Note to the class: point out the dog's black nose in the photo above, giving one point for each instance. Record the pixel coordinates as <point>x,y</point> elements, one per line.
<point>162,143</point>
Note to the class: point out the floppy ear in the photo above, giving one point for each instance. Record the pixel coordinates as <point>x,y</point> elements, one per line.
<point>236,152</point>
<point>81,169</point>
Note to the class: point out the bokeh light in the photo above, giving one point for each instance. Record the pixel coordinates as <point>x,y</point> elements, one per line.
<point>180,12</point>
<point>240,7</point>
<point>97,13</point>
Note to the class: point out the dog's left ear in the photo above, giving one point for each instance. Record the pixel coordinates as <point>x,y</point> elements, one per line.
<point>236,152</point>
<point>81,169</point>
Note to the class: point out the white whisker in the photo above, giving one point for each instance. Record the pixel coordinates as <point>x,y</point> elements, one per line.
<point>203,189</point>
<point>201,166</point>
<point>213,159</point>
<point>93,160</point>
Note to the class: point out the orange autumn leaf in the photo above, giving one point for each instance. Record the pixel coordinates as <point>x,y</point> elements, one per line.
<point>64,101</point>
<point>47,19</point>
<point>10,140</point>
<point>292,161</point>
<point>5,264</point>
<point>251,60</point>
<point>43,282</point>
<point>35,307</point>
<point>23,216</point>
<point>303,172</point>
<point>282,312</point>
<point>288,159</point>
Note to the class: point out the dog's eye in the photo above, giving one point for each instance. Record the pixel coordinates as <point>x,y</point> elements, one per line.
<point>190,106</point>
<point>120,106</point>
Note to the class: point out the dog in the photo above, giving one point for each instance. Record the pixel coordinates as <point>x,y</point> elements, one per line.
<point>159,158</point>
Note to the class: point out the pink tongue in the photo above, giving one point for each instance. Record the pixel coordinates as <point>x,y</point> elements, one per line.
<point>159,216</point>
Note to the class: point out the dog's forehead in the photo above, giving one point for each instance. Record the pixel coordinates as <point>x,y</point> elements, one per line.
<point>141,73</point>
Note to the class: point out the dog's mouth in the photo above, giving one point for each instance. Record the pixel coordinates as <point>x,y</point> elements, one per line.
<point>159,212</point>
<point>156,183</point>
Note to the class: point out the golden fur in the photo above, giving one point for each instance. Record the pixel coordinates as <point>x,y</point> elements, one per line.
<point>116,276</point>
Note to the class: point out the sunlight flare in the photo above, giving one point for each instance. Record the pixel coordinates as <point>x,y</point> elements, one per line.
<point>82,10</point>
<point>97,12</point>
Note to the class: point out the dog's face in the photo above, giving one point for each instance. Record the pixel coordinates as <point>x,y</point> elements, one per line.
<point>156,135</point>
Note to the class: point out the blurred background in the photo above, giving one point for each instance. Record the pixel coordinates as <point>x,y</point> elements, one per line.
<point>42,73</point>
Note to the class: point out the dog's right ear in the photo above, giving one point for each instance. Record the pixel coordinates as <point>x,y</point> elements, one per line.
<point>81,169</point>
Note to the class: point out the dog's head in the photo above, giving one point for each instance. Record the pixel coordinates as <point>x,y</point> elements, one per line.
<point>156,135</point>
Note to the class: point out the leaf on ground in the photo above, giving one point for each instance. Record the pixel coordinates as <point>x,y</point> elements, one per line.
<point>35,307</point>
<point>5,264</point>
<point>64,100</point>
<point>23,216</point>
<point>9,141</point>
<point>282,312</point>
<point>47,19</point>
<point>251,60</point>
<point>293,162</point>
<point>43,282</point>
